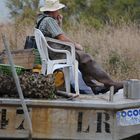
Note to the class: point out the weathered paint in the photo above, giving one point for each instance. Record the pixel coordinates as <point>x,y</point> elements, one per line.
<point>75,120</point>
<point>57,123</point>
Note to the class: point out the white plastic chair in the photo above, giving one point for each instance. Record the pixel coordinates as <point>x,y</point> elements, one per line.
<point>49,66</point>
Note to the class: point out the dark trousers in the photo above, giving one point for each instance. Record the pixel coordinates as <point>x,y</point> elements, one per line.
<point>87,65</point>
<point>91,70</point>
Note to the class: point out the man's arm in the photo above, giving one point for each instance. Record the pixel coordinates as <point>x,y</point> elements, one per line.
<point>50,28</point>
<point>63,37</point>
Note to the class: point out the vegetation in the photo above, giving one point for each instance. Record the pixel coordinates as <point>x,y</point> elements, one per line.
<point>110,31</point>
<point>23,11</point>
<point>115,48</point>
<point>92,12</point>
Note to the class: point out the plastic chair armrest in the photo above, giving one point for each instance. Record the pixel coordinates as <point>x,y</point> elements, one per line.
<point>68,55</point>
<point>68,44</point>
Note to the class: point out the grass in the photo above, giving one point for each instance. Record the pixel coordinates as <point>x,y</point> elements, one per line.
<point>115,48</point>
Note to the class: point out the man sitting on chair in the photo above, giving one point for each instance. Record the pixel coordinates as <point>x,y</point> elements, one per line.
<point>49,23</point>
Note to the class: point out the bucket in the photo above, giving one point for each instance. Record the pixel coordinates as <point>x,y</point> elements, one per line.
<point>132,89</point>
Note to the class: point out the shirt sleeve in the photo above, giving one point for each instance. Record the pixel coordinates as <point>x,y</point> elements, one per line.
<point>50,27</point>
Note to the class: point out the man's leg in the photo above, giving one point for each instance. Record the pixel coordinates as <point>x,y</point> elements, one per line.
<point>91,70</point>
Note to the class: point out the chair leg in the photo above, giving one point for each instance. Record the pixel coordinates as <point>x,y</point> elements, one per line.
<point>43,68</point>
<point>50,68</point>
<point>67,79</point>
<point>76,78</point>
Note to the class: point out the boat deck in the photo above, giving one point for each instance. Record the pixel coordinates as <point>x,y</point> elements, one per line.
<point>84,101</point>
<point>87,117</point>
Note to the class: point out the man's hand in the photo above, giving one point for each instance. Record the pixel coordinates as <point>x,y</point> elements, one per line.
<point>59,19</point>
<point>78,46</point>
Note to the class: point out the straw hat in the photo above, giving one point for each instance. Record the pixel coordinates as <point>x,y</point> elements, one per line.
<point>52,5</point>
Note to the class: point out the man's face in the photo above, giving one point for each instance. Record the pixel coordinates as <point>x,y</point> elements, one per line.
<point>56,14</point>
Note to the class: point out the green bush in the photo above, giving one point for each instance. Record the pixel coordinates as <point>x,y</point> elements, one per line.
<point>92,12</point>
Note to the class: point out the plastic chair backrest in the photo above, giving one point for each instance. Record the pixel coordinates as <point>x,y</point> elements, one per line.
<point>42,45</point>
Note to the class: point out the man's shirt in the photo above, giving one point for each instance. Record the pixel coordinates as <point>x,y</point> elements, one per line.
<point>49,26</point>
